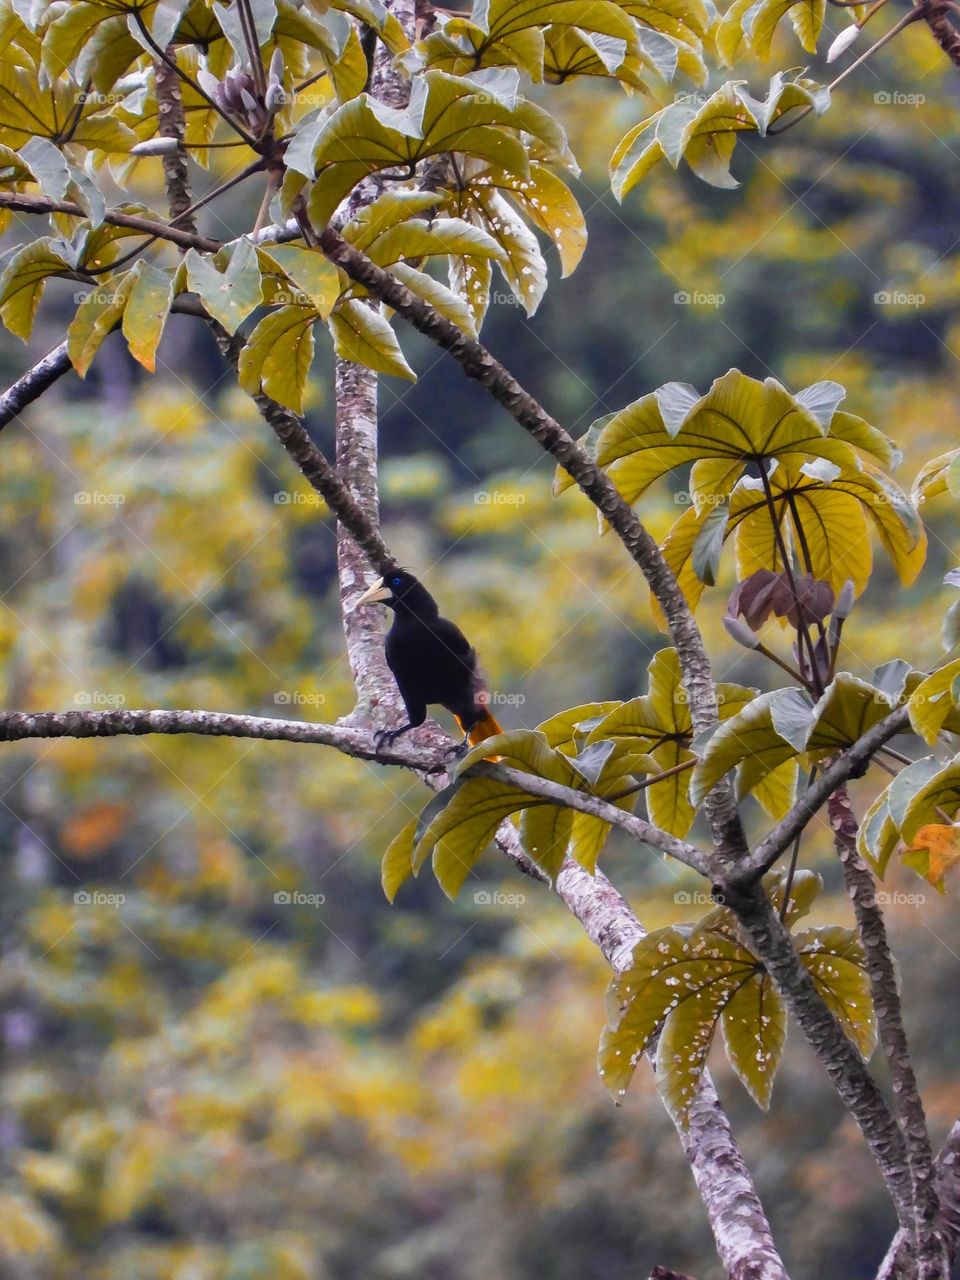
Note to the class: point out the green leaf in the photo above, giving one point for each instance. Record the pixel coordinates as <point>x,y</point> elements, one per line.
<point>96,317</point>
<point>25,277</point>
<point>413,239</point>
<point>561,729</point>
<point>309,271</point>
<point>705,555</point>
<point>230,296</point>
<point>362,335</point>
<point>146,310</point>
<point>549,204</point>
<point>754,1024</point>
<point>670,971</point>
<point>739,420</point>
<point>932,701</point>
<point>446,113</point>
<point>522,264</point>
<point>277,356</point>
<point>438,295</point>
<point>397,865</point>
<point>545,831</point>
<point>878,835</point>
<point>470,279</point>
<point>834,959</point>
<point>753,735</point>
<point>460,833</point>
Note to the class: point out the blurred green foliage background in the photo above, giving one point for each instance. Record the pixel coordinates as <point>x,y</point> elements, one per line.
<point>204,1080</point>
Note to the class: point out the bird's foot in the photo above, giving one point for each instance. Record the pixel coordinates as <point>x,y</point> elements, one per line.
<point>387,737</point>
<point>458,750</point>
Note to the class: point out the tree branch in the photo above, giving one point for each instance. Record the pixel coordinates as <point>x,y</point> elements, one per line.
<point>33,383</point>
<point>896,1264</point>
<point>907,1103</point>
<point>846,766</point>
<point>937,16</point>
<point>740,1228</point>
<point>20,203</point>
<point>772,944</point>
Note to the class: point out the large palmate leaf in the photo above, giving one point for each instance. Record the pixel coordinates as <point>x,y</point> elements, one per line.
<point>915,809</point>
<point>457,825</point>
<point>277,356</point>
<point>824,513</point>
<point>25,277</point>
<point>704,134</point>
<point>364,336</point>
<point>686,980</point>
<point>738,422</point>
<point>660,725</point>
<point>59,109</point>
<point>786,724</point>
<point>934,700</point>
<point>446,114</point>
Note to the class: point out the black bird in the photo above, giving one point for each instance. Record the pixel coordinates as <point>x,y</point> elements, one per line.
<point>431,659</point>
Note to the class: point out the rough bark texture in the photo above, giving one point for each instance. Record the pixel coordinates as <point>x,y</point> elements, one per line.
<point>739,1224</point>
<point>931,1260</point>
<point>33,383</point>
<point>937,17</point>
<point>171,124</point>
<point>357,450</point>
<point>772,944</point>
<point>896,1265</point>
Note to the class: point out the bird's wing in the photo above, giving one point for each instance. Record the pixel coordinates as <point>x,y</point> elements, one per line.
<point>453,639</point>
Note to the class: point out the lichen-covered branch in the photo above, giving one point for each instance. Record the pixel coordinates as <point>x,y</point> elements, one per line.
<point>33,383</point>
<point>907,1103</point>
<point>771,943</point>
<point>740,1228</point>
<point>898,1261</point>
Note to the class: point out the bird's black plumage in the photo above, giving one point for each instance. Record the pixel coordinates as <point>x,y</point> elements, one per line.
<point>431,659</point>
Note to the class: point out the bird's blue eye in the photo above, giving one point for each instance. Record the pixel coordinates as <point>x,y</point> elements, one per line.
<point>395,582</point>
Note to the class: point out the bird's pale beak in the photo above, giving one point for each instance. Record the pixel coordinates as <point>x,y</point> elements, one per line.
<point>374,593</point>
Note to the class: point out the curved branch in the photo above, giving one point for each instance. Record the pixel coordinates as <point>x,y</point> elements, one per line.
<point>33,383</point>
<point>907,1103</point>
<point>352,741</point>
<point>20,203</point>
<point>849,765</point>
<point>771,942</point>
<point>948,1187</point>
<point>936,13</point>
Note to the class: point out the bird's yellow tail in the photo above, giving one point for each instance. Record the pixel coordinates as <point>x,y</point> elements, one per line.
<point>485,727</point>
